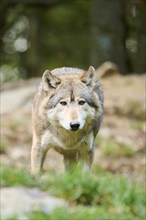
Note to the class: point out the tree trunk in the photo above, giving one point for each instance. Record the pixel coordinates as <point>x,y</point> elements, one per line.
<point>31,59</point>
<point>139,63</point>
<point>108,33</point>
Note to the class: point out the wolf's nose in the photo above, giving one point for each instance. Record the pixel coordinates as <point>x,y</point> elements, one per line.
<point>74,126</point>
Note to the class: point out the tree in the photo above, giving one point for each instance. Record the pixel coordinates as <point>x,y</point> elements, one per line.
<point>136,34</point>
<point>108,33</point>
<point>71,33</point>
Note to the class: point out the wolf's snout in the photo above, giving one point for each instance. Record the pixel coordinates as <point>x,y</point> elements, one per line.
<point>75,126</point>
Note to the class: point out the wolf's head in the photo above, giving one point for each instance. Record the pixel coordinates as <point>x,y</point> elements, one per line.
<point>72,97</point>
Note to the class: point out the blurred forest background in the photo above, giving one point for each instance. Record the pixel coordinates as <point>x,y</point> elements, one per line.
<point>38,35</point>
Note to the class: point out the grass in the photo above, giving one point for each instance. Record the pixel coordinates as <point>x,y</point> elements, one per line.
<point>113,148</point>
<point>14,124</point>
<point>136,110</point>
<point>81,213</point>
<point>97,196</point>
<point>138,125</point>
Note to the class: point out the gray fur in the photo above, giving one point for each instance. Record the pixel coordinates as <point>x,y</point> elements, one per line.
<point>70,84</point>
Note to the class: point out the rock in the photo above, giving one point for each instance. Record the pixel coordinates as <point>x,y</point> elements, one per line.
<point>14,99</point>
<point>21,202</point>
<point>107,69</point>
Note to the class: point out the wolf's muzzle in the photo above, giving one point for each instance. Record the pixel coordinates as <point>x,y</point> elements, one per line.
<point>74,126</point>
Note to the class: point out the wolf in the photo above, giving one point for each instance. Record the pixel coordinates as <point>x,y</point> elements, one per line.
<point>66,115</point>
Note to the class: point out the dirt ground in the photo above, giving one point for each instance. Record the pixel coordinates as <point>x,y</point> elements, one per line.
<point>124,124</point>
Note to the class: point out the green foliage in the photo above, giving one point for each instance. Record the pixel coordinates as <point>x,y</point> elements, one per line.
<point>77,188</point>
<point>66,33</point>
<point>91,196</point>
<point>11,177</point>
<point>114,193</point>
<point>79,213</point>
<point>38,38</point>
<point>71,23</point>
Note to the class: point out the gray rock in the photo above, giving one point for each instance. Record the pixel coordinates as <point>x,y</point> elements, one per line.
<point>14,99</point>
<point>21,202</point>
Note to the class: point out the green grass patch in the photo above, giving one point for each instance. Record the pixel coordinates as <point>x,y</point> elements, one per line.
<point>83,213</point>
<point>14,124</point>
<point>136,110</point>
<point>138,125</point>
<point>114,149</point>
<point>91,196</point>
<point>12,177</point>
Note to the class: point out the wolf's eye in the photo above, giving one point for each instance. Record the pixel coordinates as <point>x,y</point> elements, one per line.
<point>63,103</point>
<point>81,102</point>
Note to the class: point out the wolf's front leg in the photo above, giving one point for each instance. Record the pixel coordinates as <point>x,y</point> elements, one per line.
<point>86,160</point>
<point>81,161</point>
<point>70,161</point>
<point>37,158</point>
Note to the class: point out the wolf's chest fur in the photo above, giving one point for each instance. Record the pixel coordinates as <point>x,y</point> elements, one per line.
<point>66,140</point>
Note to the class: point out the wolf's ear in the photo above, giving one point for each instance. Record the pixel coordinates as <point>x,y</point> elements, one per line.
<point>50,81</point>
<point>88,75</point>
